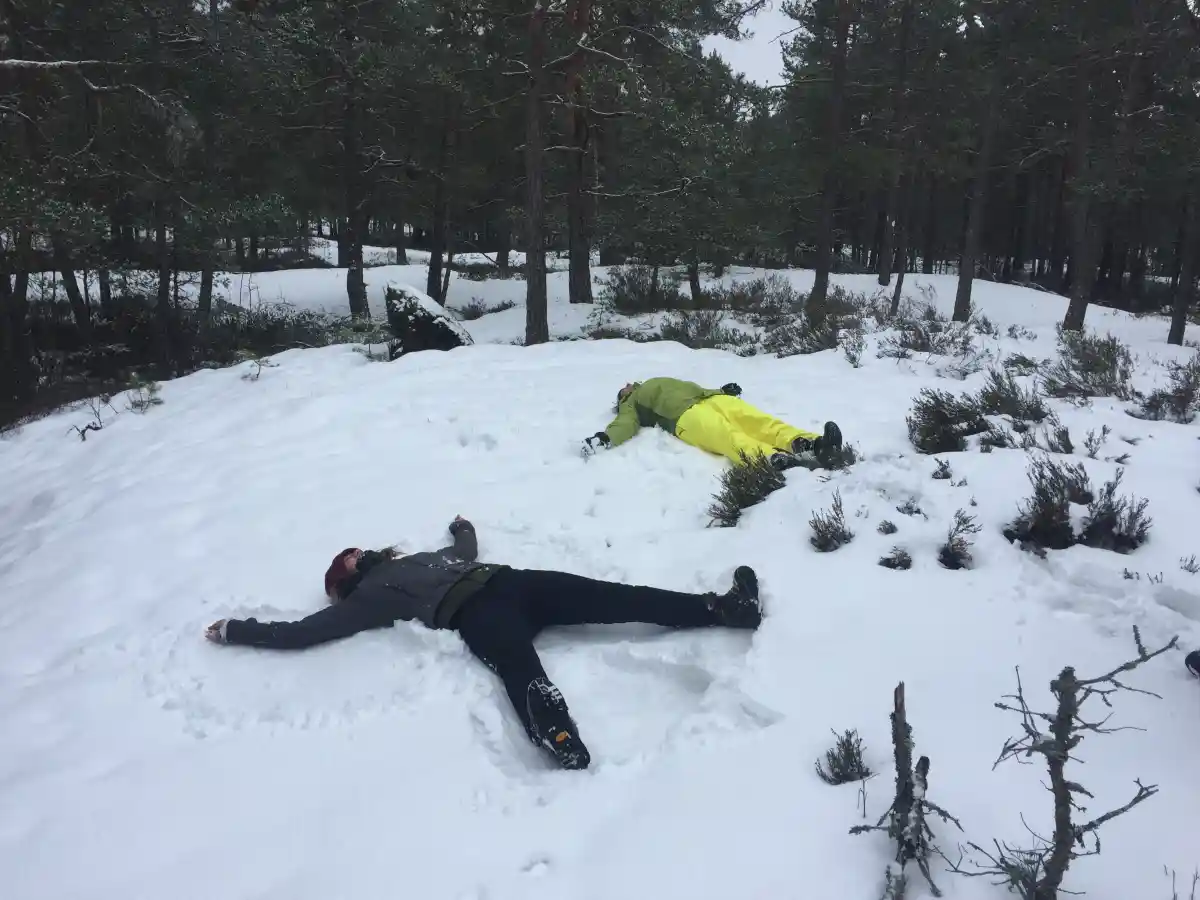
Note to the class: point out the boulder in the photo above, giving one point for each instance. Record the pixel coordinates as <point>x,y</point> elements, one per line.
<point>418,323</point>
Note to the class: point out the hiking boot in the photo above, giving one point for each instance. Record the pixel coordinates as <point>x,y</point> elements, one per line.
<point>739,607</point>
<point>551,725</point>
<point>827,448</point>
<point>781,461</point>
<point>1192,661</point>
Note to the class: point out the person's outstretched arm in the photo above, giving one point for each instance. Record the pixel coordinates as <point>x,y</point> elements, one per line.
<point>626,423</point>
<point>465,546</point>
<point>329,624</point>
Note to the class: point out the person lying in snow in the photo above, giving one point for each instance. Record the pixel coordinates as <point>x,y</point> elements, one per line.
<point>718,421</point>
<point>498,611</point>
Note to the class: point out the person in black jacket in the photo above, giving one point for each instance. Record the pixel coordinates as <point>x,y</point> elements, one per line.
<point>498,610</point>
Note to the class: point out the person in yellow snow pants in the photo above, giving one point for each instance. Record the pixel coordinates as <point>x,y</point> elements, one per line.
<point>717,421</point>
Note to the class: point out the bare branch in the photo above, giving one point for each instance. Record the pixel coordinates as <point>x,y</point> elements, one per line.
<point>58,65</point>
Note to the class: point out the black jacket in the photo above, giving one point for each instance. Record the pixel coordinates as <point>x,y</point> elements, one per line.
<point>425,587</point>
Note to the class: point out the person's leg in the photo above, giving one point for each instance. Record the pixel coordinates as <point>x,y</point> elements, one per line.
<point>759,425</point>
<point>560,598</point>
<point>496,629</point>
<point>705,426</point>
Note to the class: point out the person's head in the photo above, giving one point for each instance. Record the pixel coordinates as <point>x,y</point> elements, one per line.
<point>348,568</point>
<point>339,573</point>
<point>626,391</point>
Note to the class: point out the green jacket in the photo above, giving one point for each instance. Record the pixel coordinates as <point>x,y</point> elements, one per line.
<point>658,401</point>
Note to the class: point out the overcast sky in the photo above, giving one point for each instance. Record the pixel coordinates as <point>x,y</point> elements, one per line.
<point>758,56</point>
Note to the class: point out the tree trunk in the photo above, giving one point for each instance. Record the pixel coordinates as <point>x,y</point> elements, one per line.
<point>979,179</point>
<point>579,244</point>
<point>1083,229</point>
<point>1015,264</point>
<point>503,261</point>
<point>398,242</point>
<point>537,328</point>
<point>104,278</point>
<point>80,309</point>
<point>1185,291</point>
<point>1058,239</point>
<point>162,257</point>
<point>931,220</point>
<point>444,292</point>
<point>16,345</point>
<point>899,126</point>
<point>439,232</point>
<point>693,273</point>
<point>906,208</point>
<point>815,308</point>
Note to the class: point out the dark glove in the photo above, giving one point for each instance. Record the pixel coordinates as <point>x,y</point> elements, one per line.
<point>458,524</point>
<point>597,440</point>
<point>732,389</point>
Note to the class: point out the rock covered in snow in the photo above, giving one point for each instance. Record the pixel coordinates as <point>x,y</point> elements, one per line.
<point>417,322</point>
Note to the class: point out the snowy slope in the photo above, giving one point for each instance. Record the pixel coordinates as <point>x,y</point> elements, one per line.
<point>139,761</point>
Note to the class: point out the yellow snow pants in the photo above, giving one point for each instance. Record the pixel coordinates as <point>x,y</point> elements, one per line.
<point>729,426</point>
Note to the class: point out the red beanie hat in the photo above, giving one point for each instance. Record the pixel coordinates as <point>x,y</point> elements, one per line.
<point>337,571</point>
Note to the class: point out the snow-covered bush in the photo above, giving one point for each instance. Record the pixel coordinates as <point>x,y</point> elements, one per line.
<point>478,308</point>
<point>767,302</point>
<point>1115,523</point>
<point>705,329</point>
<point>633,290</point>
<point>927,332</point>
<point>1044,519</point>
<point>418,323</point>
<point>1003,396</point>
<point>1090,366</point>
<point>941,423</point>
<point>887,527</point>
<point>800,336</point>
<point>743,484</point>
<point>956,552</point>
<point>1112,523</point>
<point>897,558</point>
<point>143,395</point>
<point>843,762</point>
<point>1178,403</point>
<point>829,531</point>
<point>1021,364</point>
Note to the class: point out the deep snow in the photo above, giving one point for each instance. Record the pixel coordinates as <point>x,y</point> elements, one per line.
<point>139,760</point>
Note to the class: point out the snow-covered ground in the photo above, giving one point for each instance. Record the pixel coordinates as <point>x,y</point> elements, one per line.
<point>140,761</point>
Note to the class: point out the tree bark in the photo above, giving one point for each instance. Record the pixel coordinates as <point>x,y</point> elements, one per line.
<point>693,274</point>
<point>930,252</point>
<point>815,308</point>
<point>537,327</point>
<point>907,193</point>
<point>1185,290</point>
<point>437,234</point>
<point>80,309</point>
<point>982,172</point>
<point>350,242</point>
<point>1083,228</point>
<point>16,345</point>
<point>579,244</point>
<point>162,258</point>
<point>1057,276</point>
<point>899,125</point>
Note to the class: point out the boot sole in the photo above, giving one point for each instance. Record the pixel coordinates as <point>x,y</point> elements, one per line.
<point>831,443</point>
<point>559,739</point>
<point>568,751</point>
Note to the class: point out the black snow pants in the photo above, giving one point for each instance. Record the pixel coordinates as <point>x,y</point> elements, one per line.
<point>500,622</point>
